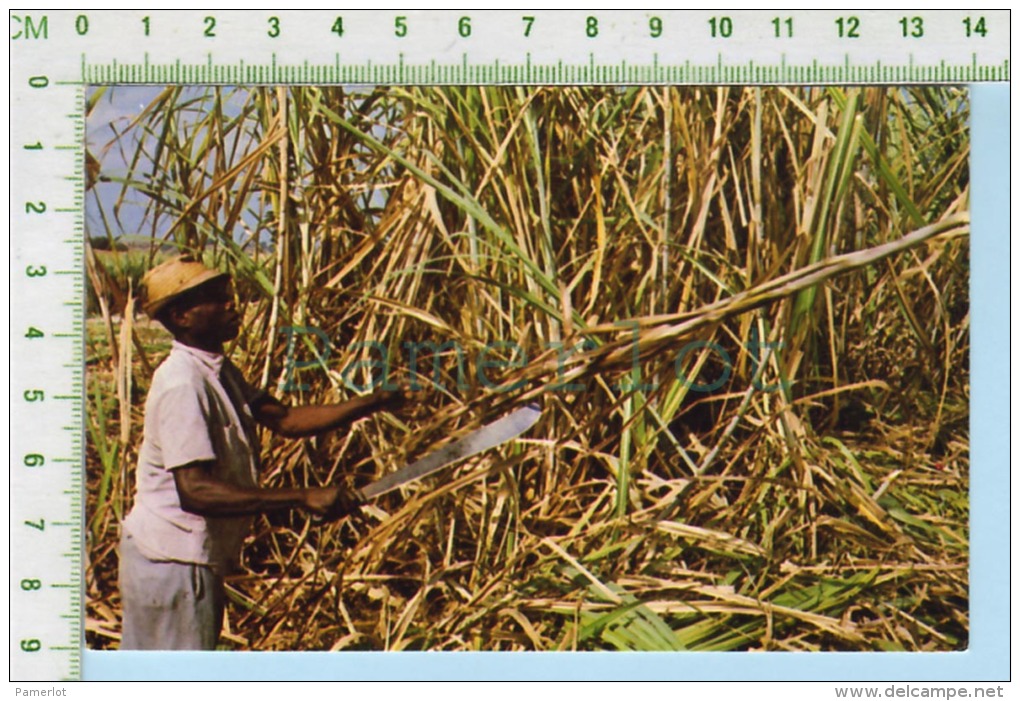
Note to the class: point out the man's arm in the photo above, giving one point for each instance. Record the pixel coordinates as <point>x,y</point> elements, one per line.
<point>201,493</point>
<point>312,419</point>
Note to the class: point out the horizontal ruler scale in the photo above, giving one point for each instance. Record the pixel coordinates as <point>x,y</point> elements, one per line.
<point>530,47</point>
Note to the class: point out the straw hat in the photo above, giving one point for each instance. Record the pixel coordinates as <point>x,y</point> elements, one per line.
<point>170,279</point>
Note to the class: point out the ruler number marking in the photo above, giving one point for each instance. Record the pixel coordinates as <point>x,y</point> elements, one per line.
<point>33,332</point>
<point>783,27</point>
<point>528,24</point>
<point>912,27</point>
<point>210,27</point>
<point>35,207</point>
<point>31,645</point>
<point>338,27</point>
<point>591,28</point>
<point>274,27</point>
<point>721,27</point>
<point>81,25</point>
<point>34,395</point>
<point>973,27</point>
<point>848,27</point>
<point>145,25</point>
<point>37,146</point>
<point>31,585</point>
<point>34,459</point>
<point>400,26</point>
<point>35,271</point>
<point>41,526</point>
<point>655,27</point>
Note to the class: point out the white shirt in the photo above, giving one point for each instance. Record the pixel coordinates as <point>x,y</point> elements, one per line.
<point>198,409</point>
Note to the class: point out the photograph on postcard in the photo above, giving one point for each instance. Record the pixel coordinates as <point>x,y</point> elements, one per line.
<point>515,368</point>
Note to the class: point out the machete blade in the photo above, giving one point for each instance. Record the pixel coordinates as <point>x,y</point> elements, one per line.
<point>489,436</point>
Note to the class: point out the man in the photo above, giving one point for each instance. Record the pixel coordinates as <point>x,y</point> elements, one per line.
<point>198,465</point>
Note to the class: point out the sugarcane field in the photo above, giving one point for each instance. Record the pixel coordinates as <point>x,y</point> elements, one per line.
<point>669,368</point>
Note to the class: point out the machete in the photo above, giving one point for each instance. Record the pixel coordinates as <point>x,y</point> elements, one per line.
<point>489,436</point>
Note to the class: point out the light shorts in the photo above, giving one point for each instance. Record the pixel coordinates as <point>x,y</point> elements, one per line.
<point>168,605</point>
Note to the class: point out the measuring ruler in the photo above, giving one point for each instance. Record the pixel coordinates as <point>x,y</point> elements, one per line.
<point>55,55</point>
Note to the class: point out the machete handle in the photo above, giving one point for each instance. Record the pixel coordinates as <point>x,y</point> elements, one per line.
<point>352,497</point>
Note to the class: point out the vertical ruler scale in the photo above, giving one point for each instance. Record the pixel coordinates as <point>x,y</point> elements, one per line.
<point>57,55</point>
<point>46,335</point>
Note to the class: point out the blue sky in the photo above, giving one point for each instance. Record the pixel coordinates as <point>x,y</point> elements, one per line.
<point>114,111</point>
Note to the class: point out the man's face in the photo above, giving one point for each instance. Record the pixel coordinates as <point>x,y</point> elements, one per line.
<point>209,312</point>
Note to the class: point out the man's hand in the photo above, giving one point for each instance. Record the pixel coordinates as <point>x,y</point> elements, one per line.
<point>330,503</point>
<point>394,398</point>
